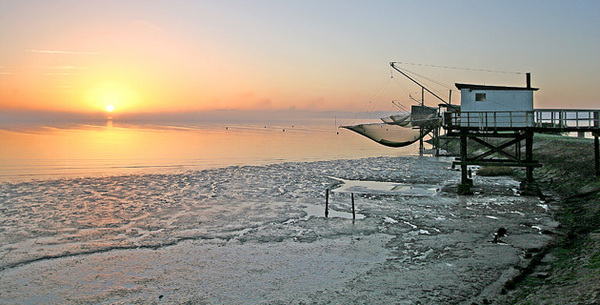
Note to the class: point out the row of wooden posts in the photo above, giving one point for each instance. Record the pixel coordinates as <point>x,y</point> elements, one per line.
<point>327,204</point>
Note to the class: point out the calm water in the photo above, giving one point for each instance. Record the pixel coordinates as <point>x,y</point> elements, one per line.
<point>113,148</point>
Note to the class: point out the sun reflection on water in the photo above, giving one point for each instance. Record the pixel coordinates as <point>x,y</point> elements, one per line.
<point>117,148</point>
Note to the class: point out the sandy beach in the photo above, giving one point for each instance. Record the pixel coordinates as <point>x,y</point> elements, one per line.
<point>257,235</point>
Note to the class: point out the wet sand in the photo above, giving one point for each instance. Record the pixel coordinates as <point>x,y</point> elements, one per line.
<point>250,235</point>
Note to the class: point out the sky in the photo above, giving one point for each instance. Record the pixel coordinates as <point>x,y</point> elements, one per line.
<point>184,56</point>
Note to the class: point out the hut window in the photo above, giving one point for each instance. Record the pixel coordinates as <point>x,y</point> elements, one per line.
<point>480,97</point>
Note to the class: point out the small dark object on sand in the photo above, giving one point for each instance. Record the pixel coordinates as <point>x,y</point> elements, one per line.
<point>501,232</point>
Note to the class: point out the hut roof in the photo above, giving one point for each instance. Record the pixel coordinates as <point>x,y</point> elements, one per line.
<point>484,87</point>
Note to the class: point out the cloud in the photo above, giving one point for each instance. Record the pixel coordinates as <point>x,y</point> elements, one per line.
<point>63,52</point>
<point>4,72</point>
<point>63,70</point>
<point>145,26</point>
<point>58,73</point>
<point>66,67</point>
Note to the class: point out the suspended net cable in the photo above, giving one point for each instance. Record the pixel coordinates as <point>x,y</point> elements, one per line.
<point>430,89</point>
<point>403,88</point>
<point>459,68</point>
<point>373,101</point>
<point>427,78</point>
<point>414,74</point>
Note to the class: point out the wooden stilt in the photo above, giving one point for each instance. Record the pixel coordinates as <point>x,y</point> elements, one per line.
<point>421,145</point>
<point>464,187</point>
<point>596,134</point>
<point>529,154</point>
<point>597,154</point>
<point>463,157</point>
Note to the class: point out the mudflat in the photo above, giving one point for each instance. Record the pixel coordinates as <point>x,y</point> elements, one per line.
<point>254,235</point>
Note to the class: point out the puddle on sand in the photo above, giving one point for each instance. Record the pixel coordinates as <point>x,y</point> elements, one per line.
<point>319,211</point>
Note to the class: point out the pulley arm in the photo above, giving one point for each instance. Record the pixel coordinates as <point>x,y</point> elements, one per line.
<point>416,82</point>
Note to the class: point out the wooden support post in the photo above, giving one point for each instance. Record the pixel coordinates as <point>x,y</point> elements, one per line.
<point>463,157</point>
<point>421,145</point>
<point>529,154</point>
<point>464,187</point>
<point>518,146</point>
<point>436,141</point>
<point>326,203</point>
<point>529,187</point>
<point>597,154</point>
<point>353,212</point>
<point>596,144</point>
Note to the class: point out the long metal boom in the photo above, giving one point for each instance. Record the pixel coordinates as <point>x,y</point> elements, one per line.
<point>416,82</point>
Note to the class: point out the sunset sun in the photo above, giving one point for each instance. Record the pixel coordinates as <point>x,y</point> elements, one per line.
<point>113,95</point>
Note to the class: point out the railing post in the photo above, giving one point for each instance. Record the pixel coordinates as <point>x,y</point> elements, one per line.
<point>597,153</point>
<point>560,119</point>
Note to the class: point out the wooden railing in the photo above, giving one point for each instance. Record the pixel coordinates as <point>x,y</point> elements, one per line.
<point>567,118</point>
<point>557,119</point>
<point>490,119</point>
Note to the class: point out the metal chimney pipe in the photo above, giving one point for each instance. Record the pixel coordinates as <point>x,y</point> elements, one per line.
<point>528,77</point>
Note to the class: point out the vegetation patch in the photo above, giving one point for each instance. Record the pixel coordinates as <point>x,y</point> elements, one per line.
<point>495,171</point>
<point>594,261</point>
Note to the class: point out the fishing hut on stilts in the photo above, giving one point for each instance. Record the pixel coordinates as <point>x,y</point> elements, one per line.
<point>500,119</point>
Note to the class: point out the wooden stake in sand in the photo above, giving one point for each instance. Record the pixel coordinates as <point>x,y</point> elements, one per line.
<point>326,203</point>
<point>353,213</point>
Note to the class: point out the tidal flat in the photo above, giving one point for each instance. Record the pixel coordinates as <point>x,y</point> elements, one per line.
<point>254,235</point>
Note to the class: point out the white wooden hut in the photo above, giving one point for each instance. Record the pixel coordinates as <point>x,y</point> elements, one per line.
<point>485,106</point>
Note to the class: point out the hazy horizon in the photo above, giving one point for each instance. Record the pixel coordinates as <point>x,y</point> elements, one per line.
<point>287,116</point>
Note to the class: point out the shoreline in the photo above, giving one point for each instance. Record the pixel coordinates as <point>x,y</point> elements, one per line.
<point>568,273</point>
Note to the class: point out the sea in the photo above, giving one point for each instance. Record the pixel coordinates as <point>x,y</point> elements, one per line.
<point>58,150</point>
<point>207,213</point>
